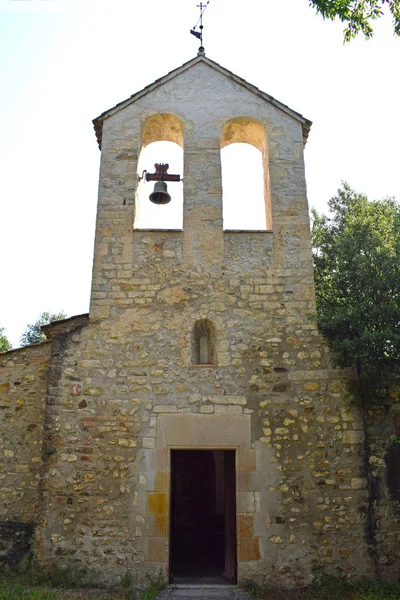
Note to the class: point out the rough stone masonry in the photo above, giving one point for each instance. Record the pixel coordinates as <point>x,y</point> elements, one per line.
<point>89,418</point>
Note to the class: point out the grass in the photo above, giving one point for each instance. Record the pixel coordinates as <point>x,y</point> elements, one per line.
<point>152,592</point>
<point>15,591</point>
<point>65,584</point>
<point>325,587</point>
<point>57,586</point>
<point>18,591</point>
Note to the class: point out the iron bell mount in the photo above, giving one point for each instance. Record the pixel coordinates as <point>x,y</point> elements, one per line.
<point>160,193</point>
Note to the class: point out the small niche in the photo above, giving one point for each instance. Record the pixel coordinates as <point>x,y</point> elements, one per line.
<point>203,343</point>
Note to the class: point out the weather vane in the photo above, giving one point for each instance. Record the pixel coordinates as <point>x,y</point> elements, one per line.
<point>199,34</point>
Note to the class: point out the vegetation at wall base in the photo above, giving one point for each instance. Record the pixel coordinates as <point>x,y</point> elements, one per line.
<point>12,590</point>
<point>356,253</point>
<point>71,584</point>
<point>325,587</point>
<point>156,585</point>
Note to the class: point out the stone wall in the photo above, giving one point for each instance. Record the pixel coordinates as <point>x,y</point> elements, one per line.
<point>303,498</point>
<point>23,387</point>
<point>383,467</point>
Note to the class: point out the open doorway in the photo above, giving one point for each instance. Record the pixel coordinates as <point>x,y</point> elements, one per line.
<point>203,516</point>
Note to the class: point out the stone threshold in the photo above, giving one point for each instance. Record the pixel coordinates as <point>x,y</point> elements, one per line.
<point>198,586</point>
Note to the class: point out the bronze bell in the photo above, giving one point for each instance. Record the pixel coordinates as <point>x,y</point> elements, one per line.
<point>160,194</point>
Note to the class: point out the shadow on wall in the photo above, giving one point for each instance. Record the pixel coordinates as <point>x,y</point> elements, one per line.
<point>16,545</point>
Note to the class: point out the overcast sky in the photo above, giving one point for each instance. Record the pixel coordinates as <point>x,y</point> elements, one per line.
<point>63,62</point>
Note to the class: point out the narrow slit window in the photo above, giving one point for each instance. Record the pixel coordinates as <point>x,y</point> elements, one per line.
<point>203,343</point>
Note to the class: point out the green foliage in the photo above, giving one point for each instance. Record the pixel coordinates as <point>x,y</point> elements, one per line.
<point>151,593</point>
<point>156,586</point>
<point>4,343</point>
<point>68,583</point>
<point>358,15</point>
<point>17,591</point>
<point>33,333</point>
<point>252,588</point>
<point>327,587</point>
<point>64,578</point>
<point>58,584</point>
<point>14,586</point>
<point>356,255</point>
<point>374,590</point>
<point>269,590</point>
<point>127,580</point>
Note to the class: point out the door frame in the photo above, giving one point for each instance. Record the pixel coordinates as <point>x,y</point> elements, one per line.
<point>193,431</point>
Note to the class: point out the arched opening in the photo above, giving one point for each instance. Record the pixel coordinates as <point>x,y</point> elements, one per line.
<point>162,142</point>
<point>245,175</point>
<point>204,343</point>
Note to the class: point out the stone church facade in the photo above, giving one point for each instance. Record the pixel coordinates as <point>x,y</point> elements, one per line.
<point>194,412</point>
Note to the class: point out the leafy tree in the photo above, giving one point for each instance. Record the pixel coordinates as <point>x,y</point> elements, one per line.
<point>4,343</point>
<point>358,14</point>
<point>356,254</point>
<point>33,333</point>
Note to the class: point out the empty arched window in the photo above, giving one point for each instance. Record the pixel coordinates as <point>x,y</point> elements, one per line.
<point>162,142</point>
<point>203,343</point>
<point>245,175</point>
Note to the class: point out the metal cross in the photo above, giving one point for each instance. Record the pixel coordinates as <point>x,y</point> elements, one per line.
<point>199,34</point>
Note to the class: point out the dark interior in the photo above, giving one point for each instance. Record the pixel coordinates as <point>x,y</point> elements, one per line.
<point>203,515</point>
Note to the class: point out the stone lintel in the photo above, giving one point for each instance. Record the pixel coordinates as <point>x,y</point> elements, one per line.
<point>209,431</point>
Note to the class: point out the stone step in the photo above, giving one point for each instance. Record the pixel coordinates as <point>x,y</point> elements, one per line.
<point>203,592</point>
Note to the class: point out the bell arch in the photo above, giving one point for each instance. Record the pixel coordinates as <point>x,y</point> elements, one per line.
<point>162,128</point>
<point>245,175</point>
<point>162,138</point>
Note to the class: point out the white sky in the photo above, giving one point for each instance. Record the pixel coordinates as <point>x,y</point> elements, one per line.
<point>63,62</point>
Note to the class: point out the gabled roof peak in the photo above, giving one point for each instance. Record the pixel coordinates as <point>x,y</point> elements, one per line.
<point>201,57</point>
